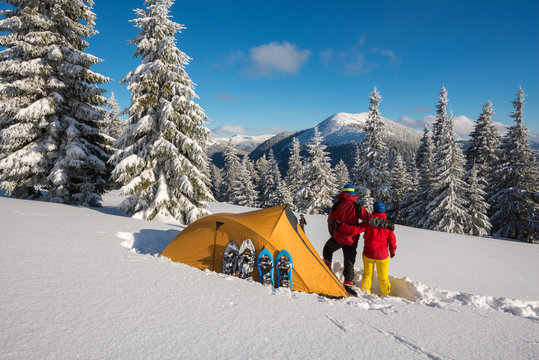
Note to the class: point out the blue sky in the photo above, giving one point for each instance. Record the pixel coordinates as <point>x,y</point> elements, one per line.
<point>265,66</point>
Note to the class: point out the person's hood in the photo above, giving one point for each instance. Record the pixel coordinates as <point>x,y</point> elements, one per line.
<point>342,197</point>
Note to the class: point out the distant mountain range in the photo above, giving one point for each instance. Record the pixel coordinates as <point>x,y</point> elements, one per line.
<point>340,132</point>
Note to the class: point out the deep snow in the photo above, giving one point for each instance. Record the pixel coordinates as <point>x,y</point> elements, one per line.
<point>88,283</point>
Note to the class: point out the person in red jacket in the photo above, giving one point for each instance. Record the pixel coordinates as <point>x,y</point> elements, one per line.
<point>343,212</point>
<point>375,251</point>
<point>347,211</point>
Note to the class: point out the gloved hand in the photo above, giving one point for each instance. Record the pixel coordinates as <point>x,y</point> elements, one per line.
<point>392,255</point>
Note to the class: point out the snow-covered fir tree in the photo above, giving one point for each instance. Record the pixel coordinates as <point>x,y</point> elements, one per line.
<point>355,174</point>
<point>341,174</point>
<point>161,162</point>
<point>425,165</point>
<point>294,175</point>
<point>270,180</point>
<point>479,223</point>
<point>516,201</point>
<point>231,172</point>
<point>217,182</point>
<point>319,188</point>
<point>447,211</point>
<point>400,185</point>
<point>484,142</point>
<point>440,127</point>
<point>262,168</point>
<point>244,192</point>
<point>372,170</point>
<point>51,120</point>
<point>283,195</point>
<point>411,194</point>
<point>482,153</point>
<point>115,126</point>
<point>251,167</point>
<point>365,198</point>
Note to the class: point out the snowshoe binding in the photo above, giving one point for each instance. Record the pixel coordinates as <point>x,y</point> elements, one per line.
<point>284,269</point>
<point>246,259</point>
<point>230,258</point>
<point>265,266</point>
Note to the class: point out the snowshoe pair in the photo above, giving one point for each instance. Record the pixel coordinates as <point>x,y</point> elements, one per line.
<point>240,260</point>
<point>283,267</point>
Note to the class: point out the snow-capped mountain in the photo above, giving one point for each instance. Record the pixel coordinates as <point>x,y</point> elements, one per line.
<point>243,142</point>
<point>344,127</point>
<point>340,132</point>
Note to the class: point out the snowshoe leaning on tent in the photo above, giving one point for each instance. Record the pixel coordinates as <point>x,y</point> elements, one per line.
<point>375,251</point>
<point>347,211</point>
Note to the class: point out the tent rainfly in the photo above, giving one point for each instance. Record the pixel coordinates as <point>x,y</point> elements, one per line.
<point>202,245</point>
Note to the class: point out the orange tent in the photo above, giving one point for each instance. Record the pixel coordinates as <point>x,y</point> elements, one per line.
<point>202,245</point>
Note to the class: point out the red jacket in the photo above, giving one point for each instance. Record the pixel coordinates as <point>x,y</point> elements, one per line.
<point>377,240</point>
<point>344,212</point>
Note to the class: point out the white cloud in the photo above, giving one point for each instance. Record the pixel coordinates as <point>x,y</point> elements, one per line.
<point>229,129</point>
<point>358,59</point>
<point>408,121</point>
<point>422,109</point>
<point>231,59</point>
<point>501,127</point>
<point>276,57</point>
<point>326,56</point>
<point>274,130</point>
<point>395,60</point>
<point>463,126</point>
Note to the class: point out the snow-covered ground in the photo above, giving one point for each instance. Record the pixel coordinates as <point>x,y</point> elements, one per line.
<point>88,283</point>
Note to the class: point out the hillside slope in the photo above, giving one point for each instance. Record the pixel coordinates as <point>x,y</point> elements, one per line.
<point>88,283</point>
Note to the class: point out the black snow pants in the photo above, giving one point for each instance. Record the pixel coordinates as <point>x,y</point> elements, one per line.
<point>349,252</point>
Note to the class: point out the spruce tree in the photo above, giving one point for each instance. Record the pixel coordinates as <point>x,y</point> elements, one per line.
<point>284,195</point>
<point>341,174</point>
<point>272,182</point>
<point>484,142</point>
<point>262,168</point>
<point>244,192</point>
<point>425,165</point>
<point>365,198</point>
<point>114,124</point>
<point>51,120</point>
<point>161,162</point>
<point>478,224</point>
<point>217,182</point>
<point>447,211</point>
<point>231,172</point>
<point>294,174</point>
<point>516,201</point>
<point>482,152</point>
<point>373,170</point>
<point>355,176</point>
<point>316,194</point>
<point>440,127</point>
<point>400,185</point>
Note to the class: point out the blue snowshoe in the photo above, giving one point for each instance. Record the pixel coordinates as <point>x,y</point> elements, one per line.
<point>264,263</point>
<point>284,266</point>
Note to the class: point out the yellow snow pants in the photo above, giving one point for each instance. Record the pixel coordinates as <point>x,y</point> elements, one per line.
<point>382,267</point>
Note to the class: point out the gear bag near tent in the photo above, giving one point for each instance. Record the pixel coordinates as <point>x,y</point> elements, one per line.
<point>202,245</point>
